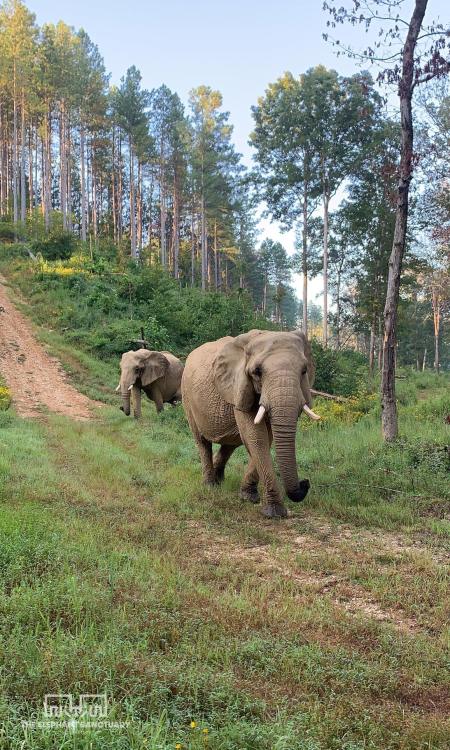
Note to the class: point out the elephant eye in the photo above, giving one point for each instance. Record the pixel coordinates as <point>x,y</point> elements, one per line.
<point>257,372</point>
<point>304,371</point>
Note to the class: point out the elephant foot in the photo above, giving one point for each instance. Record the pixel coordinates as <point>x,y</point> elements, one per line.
<point>300,493</point>
<point>274,510</point>
<point>219,476</point>
<point>249,494</point>
<point>210,481</point>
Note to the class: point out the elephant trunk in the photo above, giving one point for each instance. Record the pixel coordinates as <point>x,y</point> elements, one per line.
<point>125,402</point>
<point>137,401</point>
<point>285,403</point>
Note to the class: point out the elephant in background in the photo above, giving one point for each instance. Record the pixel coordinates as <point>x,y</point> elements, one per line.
<point>249,390</point>
<point>158,374</point>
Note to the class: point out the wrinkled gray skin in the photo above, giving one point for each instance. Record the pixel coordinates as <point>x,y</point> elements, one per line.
<point>224,383</point>
<point>158,374</point>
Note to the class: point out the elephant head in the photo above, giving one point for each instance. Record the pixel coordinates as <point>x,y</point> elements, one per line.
<point>270,373</point>
<point>140,368</point>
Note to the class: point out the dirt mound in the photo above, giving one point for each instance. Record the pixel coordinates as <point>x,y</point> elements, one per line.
<point>35,379</point>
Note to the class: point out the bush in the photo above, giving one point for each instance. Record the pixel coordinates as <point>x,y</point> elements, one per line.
<point>341,372</point>
<point>5,398</point>
<point>55,246</point>
<point>116,337</point>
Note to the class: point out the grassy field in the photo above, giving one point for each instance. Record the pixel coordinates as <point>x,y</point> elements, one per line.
<point>121,573</point>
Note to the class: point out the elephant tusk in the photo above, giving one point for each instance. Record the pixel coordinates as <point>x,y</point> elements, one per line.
<point>260,415</point>
<point>310,412</point>
<point>130,386</point>
<point>118,388</point>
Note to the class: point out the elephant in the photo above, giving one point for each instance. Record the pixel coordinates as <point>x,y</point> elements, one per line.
<point>158,374</point>
<point>249,390</point>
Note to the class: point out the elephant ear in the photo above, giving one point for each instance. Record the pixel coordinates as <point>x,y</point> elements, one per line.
<point>308,354</point>
<point>155,366</point>
<point>230,377</point>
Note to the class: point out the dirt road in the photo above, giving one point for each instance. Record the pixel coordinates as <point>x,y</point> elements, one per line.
<point>35,379</point>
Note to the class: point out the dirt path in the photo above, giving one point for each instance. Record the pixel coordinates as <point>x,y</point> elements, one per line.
<point>35,379</point>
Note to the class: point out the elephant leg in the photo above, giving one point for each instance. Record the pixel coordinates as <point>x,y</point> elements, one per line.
<point>157,398</point>
<point>257,439</point>
<point>136,401</point>
<point>249,487</point>
<point>220,461</point>
<point>205,450</point>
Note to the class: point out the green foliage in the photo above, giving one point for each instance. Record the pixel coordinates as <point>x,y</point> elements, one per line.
<point>7,231</point>
<point>340,372</point>
<point>55,246</point>
<point>5,397</point>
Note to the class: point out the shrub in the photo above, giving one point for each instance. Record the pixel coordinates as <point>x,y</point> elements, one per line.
<point>55,246</point>
<point>116,337</point>
<point>5,398</point>
<point>341,372</point>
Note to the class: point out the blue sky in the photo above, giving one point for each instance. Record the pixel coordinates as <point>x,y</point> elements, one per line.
<point>236,46</point>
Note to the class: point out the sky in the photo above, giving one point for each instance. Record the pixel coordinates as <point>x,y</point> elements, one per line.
<point>236,46</point>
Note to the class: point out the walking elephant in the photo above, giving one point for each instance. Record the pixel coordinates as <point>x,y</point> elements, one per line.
<point>158,374</point>
<point>248,390</point>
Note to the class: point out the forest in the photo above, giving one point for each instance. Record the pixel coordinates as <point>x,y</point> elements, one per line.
<point>121,174</point>
<point>149,598</point>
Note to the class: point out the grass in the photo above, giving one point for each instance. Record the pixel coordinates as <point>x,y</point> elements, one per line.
<point>121,573</point>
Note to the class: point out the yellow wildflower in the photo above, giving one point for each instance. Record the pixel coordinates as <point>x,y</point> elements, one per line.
<point>205,730</point>
<point>178,746</point>
<point>193,724</point>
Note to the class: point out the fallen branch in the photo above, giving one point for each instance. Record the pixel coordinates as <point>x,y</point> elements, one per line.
<point>328,395</point>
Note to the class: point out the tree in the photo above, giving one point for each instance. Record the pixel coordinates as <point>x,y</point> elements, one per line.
<point>214,166</point>
<point>129,103</point>
<point>343,113</point>
<point>414,64</point>
<point>287,163</point>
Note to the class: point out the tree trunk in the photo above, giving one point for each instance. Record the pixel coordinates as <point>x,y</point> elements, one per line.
<point>139,209</point>
<point>192,250</point>
<point>23,185</point>
<point>83,183</point>
<point>424,361</point>
<point>132,203</point>
<point>305,260</point>
<point>372,345</point>
<point>176,228</point>
<point>389,406</point>
<point>62,166</point>
<point>326,202</point>
<point>15,150</point>
<point>437,325</point>
<point>204,245</point>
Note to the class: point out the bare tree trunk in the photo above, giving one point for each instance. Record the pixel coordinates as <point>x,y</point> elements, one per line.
<point>15,152</point>
<point>424,361</point>
<point>305,259</point>
<point>176,228</point>
<point>30,168</point>
<point>119,193</point>
<point>62,165</point>
<point>204,245</point>
<point>372,345</point>
<point>192,249</point>
<point>436,325</point>
<point>326,202</point>
<point>68,175</point>
<point>113,185</point>
<point>23,185</point>
<point>139,208</point>
<point>83,182</point>
<point>380,344</point>
<point>389,415</point>
<point>132,203</point>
